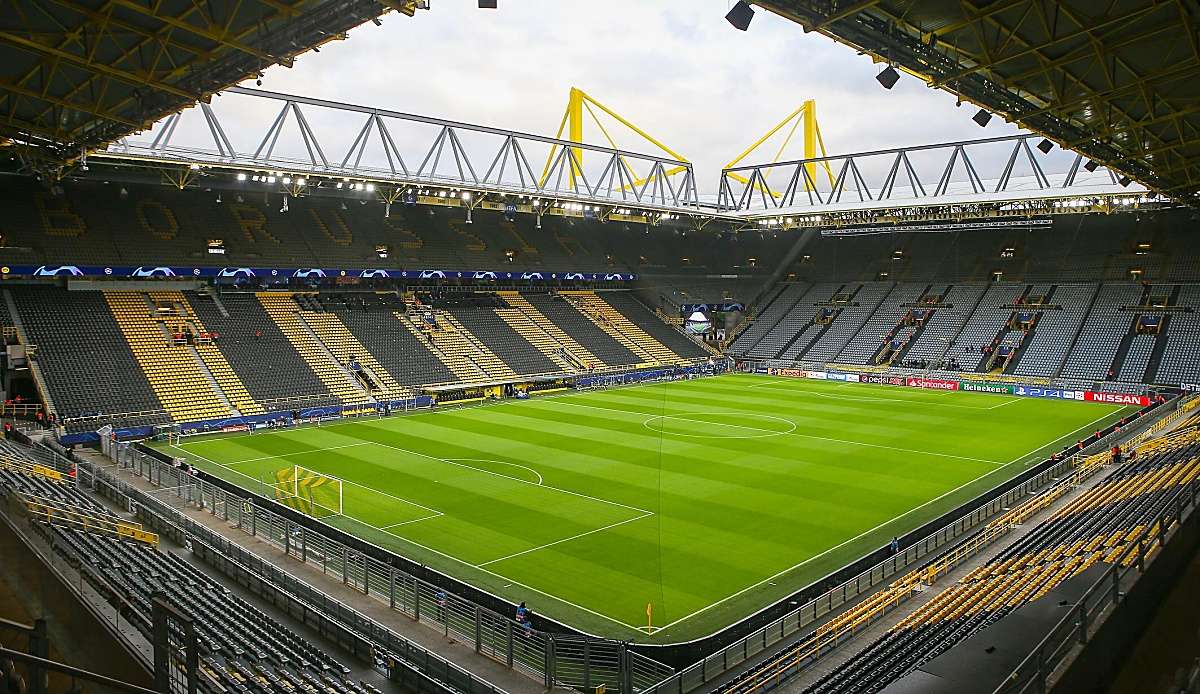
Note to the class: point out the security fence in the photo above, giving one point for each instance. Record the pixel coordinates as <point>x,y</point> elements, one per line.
<point>566,660</point>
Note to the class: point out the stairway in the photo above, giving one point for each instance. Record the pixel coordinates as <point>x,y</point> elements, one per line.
<point>211,358</point>
<point>345,347</point>
<point>575,351</point>
<point>39,380</point>
<point>537,337</point>
<point>474,349</point>
<point>620,328</point>
<point>172,371</point>
<point>1160,345</point>
<point>285,312</point>
<point>450,349</point>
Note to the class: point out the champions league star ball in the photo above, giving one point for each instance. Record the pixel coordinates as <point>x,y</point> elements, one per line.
<point>698,323</point>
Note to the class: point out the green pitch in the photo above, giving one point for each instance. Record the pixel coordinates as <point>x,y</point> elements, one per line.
<point>709,498</point>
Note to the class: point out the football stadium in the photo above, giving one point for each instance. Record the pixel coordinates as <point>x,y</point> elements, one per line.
<point>341,361</point>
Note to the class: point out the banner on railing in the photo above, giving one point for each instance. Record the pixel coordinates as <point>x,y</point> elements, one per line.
<point>314,273</point>
<point>1117,398</point>
<point>931,383</point>
<point>986,387</point>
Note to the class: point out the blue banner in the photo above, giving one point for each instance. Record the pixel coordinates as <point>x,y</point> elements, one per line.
<point>315,273</point>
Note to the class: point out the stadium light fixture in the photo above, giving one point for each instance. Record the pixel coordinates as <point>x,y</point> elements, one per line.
<point>287,180</point>
<point>982,118</point>
<point>466,195</point>
<point>370,187</point>
<point>270,179</point>
<point>241,177</point>
<point>740,15</point>
<point>301,181</point>
<point>888,77</point>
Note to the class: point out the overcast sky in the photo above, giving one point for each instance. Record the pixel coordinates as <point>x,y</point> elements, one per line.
<point>674,67</point>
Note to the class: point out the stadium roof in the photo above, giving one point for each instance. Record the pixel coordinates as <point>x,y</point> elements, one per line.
<point>1118,81</point>
<point>81,73</point>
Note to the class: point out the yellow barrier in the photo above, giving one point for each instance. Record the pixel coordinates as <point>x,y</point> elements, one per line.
<point>29,468</point>
<point>54,512</point>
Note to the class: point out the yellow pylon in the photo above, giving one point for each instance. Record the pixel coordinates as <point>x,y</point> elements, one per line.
<point>579,101</point>
<point>806,114</point>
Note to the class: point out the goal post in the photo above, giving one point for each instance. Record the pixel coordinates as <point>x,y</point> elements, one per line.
<point>308,491</point>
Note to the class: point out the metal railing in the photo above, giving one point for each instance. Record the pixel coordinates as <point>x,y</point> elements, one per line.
<point>553,659</point>
<point>1077,626</point>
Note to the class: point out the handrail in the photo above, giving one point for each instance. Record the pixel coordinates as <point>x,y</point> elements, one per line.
<point>53,511</point>
<point>78,673</point>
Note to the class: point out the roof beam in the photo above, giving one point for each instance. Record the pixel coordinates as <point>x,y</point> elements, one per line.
<point>222,38</point>
<point>104,68</point>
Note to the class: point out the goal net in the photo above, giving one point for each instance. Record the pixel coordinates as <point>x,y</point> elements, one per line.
<point>308,491</point>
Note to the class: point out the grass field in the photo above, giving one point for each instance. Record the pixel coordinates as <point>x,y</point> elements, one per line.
<point>709,498</point>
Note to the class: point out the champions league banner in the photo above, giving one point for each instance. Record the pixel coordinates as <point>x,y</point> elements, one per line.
<point>316,273</point>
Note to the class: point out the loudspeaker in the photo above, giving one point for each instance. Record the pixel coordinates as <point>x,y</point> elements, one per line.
<point>1091,166</point>
<point>1045,145</point>
<point>982,118</point>
<point>888,77</point>
<point>740,15</point>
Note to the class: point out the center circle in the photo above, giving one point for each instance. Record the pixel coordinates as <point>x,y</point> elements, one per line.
<point>706,425</point>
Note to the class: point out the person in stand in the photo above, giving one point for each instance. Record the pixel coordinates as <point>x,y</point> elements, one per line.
<point>51,420</point>
<point>258,334</point>
<point>8,427</point>
<point>895,545</point>
<point>522,612</point>
<point>40,417</point>
<point>1116,455</point>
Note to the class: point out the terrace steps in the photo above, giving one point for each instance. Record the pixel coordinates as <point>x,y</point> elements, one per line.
<point>172,371</point>
<point>577,352</point>
<point>285,312</point>
<point>449,349</point>
<point>620,328</point>
<point>210,355</point>
<point>543,342</point>
<point>345,347</point>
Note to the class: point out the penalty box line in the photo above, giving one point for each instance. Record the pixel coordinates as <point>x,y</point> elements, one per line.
<point>455,559</point>
<point>433,512</point>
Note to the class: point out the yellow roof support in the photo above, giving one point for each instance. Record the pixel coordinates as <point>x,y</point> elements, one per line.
<point>579,101</point>
<point>806,114</point>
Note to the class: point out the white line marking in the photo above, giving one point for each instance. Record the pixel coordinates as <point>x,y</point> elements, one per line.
<point>510,477</point>
<point>540,481</point>
<point>504,578</point>
<point>565,539</point>
<point>1006,402</point>
<point>807,436</point>
<point>767,433</point>
<point>895,518</point>
<point>286,455</point>
<point>439,514</point>
<point>456,559</point>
